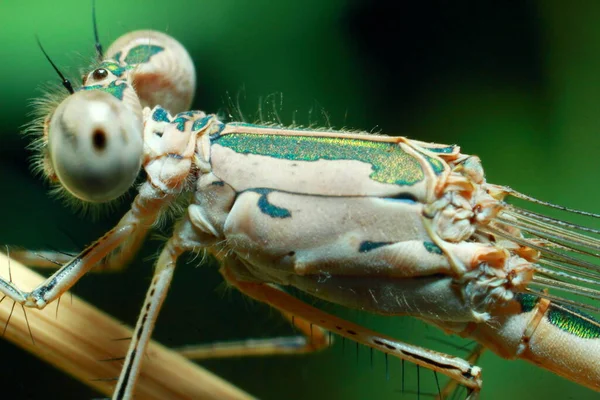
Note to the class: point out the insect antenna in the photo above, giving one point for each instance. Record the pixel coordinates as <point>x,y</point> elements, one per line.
<point>97,44</point>
<point>65,82</point>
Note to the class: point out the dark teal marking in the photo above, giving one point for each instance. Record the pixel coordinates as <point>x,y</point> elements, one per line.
<point>180,122</point>
<point>566,318</point>
<point>218,127</point>
<point>389,163</point>
<point>201,123</point>
<point>160,115</point>
<point>441,150</point>
<point>142,53</point>
<point>367,246</point>
<point>433,248</point>
<point>527,301</point>
<point>436,164</point>
<point>402,197</point>
<point>117,56</point>
<point>116,89</point>
<point>268,208</point>
<point>218,183</point>
<point>183,117</point>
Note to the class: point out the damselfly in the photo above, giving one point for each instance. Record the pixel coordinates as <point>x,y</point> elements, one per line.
<point>488,167</point>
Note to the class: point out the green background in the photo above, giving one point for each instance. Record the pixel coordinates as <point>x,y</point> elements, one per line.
<point>518,85</point>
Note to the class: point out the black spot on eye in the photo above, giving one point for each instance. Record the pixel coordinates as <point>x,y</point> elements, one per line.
<point>99,74</point>
<point>291,253</point>
<point>99,139</point>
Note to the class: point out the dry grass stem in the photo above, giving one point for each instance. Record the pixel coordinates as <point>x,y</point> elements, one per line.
<point>81,336</point>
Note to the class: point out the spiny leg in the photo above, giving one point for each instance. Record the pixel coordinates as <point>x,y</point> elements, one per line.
<point>453,367</point>
<point>114,261</point>
<point>145,325</point>
<point>184,238</point>
<point>40,259</point>
<point>313,339</point>
<point>83,335</point>
<point>142,214</point>
<point>451,386</point>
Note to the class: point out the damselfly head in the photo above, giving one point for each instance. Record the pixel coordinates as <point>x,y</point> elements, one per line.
<point>91,144</point>
<point>95,145</point>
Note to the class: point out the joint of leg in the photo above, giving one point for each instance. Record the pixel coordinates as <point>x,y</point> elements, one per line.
<point>538,313</point>
<point>35,299</point>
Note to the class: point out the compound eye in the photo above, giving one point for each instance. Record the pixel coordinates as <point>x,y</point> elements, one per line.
<point>95,76</point>
<point>95,145</point>
<point>99,74</point>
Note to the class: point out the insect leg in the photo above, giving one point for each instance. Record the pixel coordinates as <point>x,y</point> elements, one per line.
<point>185,237</point>
<point>81,342</point>
<point>116,261</point>
<point>453,367</point>
<point>40,259</point>
<point>145,324</point>
<point>451,386</point>
<point>313,338</point>
<point>142,214</point>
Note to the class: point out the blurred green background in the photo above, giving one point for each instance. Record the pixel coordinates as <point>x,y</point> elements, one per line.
<point>518,85</point>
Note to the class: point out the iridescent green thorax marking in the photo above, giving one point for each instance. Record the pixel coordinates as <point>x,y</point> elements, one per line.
<point>114,88</point>
<point>268,208</point>
<point>390,164</point>
<point>574,322</point>
<point>566,318</point>
<point>142,53</point>
<point>433,248</point>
